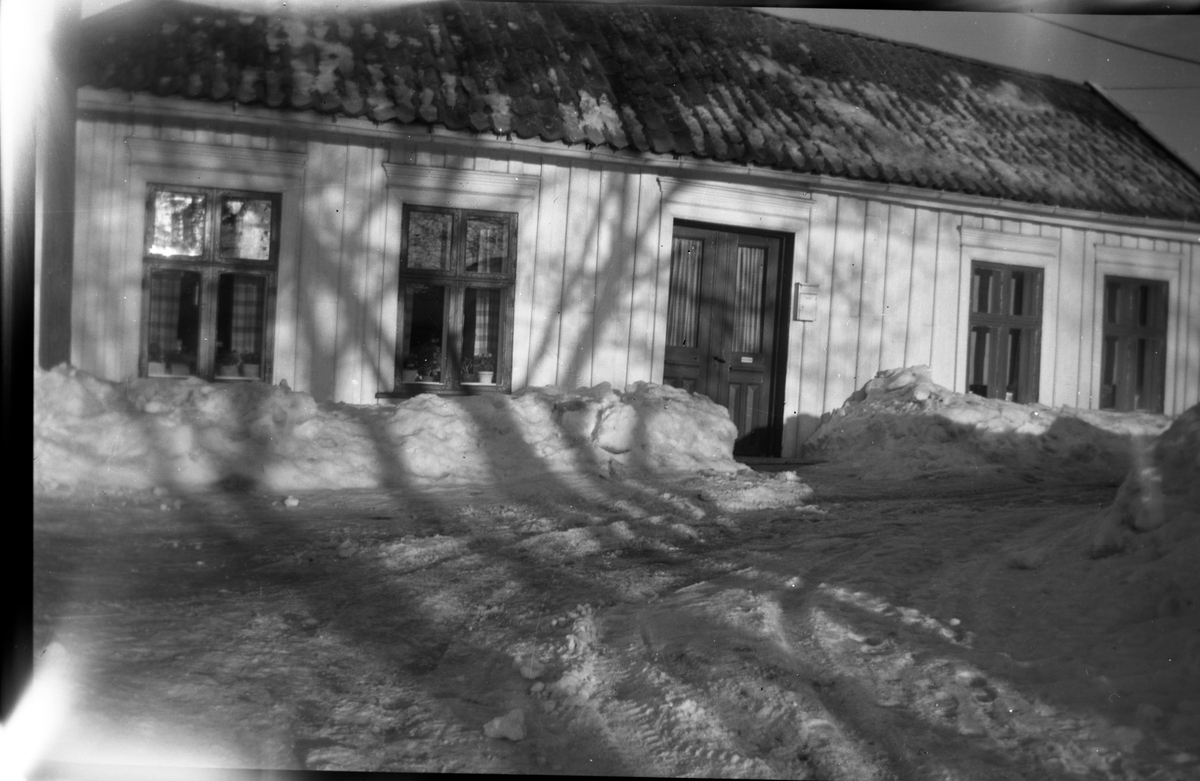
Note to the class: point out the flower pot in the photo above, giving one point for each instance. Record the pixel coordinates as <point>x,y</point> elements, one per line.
<point>227,371</point>
<point>180,369</point>
<point>485,378</point>
<point>156,368</point>
<point>250,370</point>
<point>408,375</point>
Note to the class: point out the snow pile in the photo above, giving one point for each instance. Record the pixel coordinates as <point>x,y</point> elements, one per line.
<point>901,424</point>
<point>1158,505</point>
<point>194,434</point>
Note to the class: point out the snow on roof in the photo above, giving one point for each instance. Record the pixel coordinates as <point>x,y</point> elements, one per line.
<point>727,84</point>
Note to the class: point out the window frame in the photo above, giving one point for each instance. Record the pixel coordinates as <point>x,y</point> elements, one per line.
<point>455,280</point>
<point>1001,323</point>
<point>211,266</point>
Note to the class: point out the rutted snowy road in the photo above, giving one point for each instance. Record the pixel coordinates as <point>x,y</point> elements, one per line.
<point>865,633</point>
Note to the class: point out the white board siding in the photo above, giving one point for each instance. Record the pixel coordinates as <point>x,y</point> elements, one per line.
<point>592,277</point>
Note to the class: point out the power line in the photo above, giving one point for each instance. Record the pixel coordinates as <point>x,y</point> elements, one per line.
<point>1190,86</point>
<point>1116,42</point>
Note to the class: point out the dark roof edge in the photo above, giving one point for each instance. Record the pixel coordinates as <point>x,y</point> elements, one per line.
<point>1170,150</point>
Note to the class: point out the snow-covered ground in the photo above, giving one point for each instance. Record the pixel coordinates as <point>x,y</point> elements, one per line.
<point>587,582</point>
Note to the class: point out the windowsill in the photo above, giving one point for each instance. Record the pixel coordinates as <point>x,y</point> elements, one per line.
<point>410,389</point>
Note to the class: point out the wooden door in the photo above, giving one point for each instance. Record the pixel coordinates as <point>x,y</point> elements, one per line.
<point>1134,359</point>
<point>722,315</point>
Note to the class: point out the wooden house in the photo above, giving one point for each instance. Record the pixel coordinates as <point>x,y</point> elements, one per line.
<point>479,197</point>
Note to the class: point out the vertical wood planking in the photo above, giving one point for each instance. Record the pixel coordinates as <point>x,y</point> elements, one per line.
<point>548,275</point>
<point>618,229</point>
<point>1090,322</point>
<point>898,278</point>
<point>812,402</point>
<point>116,219</point>
<point>524,300</point>
<point>355,260</point>
<point>648,293</point>
<point>871,311</point>
<point>845,300</point>
<point>1067,332</point>
<point>1191,393</point>
<point>577,294</point>
<point>374,327</point>
<point>792,421</point>
<point>918,348</point>
<point>89,186</point>
<point>947,284</point>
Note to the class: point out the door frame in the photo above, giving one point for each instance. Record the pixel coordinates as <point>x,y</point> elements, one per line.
<point>777,329</point>
<point>1152,266</point>
<point>775,208</point>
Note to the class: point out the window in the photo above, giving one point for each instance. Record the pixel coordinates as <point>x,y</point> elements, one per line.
<point>457,272</point>
<point>1004,340</point>
<point>1134,354</point>
<point>210,261</point>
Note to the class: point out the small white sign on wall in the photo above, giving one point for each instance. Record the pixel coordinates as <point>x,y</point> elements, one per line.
<point>804,302</point>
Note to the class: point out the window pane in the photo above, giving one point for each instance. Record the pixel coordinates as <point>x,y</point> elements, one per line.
<point>748,299</point>
<point>979,360</point>
<point>174,324</point>
<point>683,305</point>
<point>1112,291</point>
<point>487,244</point>
<point>245,228</point>
<point>981,290</point>
<point>481,332</point>
<point>1013,387</point>
<point>424,310</point>
<point>178,224</point>
<point>1017,294</point>
<point>241,300</point>
<point>429,239</point>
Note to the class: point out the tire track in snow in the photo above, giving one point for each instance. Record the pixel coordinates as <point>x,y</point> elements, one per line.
<point>706,685</point>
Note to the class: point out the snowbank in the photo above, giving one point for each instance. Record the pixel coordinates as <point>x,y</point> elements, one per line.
<point>901,424</point>
<point>194,434</point>
<point>1158,505</point>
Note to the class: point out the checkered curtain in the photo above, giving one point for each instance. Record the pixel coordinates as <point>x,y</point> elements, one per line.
<point>164,310</point>
<point>485,321</point>
<point>245,320</point>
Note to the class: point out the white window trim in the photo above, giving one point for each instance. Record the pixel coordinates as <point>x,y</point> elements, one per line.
<point>460,189</point>
<point>1010,249</point>
<point>1140,264</point>
<point>201,165</point>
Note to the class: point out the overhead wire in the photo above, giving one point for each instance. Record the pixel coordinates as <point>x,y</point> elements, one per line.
<point>1114,41</point>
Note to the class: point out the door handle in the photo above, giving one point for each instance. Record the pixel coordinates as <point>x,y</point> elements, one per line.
<point>718,359</point>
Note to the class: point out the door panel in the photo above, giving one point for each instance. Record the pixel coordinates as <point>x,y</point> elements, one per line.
<point>1134,353</point>
<point>721,323</point>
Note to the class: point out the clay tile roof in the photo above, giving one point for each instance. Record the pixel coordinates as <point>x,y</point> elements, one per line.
<point>717,83</point>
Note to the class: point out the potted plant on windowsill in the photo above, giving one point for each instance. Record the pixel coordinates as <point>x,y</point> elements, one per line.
<point>409,372</point>
<point>227,363</point>
<point>485,364</point>
<point>251,363</point>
